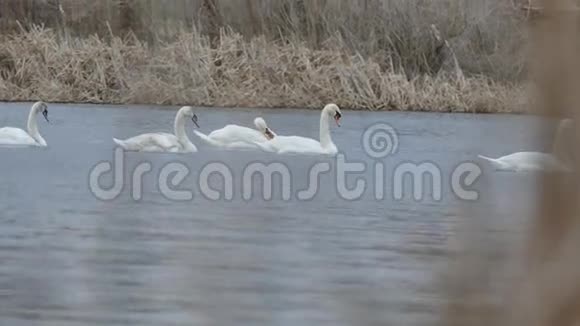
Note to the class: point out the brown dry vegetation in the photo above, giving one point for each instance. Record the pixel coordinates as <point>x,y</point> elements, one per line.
<point>375,54</point>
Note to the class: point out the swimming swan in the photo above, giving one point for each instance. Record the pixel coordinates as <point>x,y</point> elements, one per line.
<point>557,161</point>
<point>31,137</point>
<point>297,144</point>
<point>234,136</point>
<point>164,142</point>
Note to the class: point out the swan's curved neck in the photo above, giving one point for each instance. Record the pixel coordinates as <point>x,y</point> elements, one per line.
<point>179,129</point>
<point>32,127</point>
<point>325,138</point>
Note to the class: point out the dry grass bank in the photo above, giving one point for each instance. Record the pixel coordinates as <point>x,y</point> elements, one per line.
<point>375,54</point>
<point>256,73</point>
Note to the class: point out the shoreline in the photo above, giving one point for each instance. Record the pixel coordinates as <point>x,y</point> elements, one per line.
<point>145,106</point>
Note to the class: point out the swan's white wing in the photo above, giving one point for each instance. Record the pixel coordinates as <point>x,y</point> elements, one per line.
<point>266,146</point>
<point>15,136</point>
<point>295,144</point>
<point>235,134</point>
<point>166,141</point>
<point>528,161</point>
<point>243,145</point>
<point>153,142</point>
<point>534,161</point>
<point>525,158</point>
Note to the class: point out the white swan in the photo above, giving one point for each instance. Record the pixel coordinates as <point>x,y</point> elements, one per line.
<point>234,136</point>
<point>164,142</point>
<point>297,144</point>
<point>558,161</point>
<point>31,137</point>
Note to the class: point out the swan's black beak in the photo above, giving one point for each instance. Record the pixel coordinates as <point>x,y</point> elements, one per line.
<point>337,117</point>
<point>269,134</point>
<point>45,114</point>
<point>194,119</point>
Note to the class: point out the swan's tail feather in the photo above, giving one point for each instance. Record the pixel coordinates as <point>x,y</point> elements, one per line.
<point>206,139</point>
<point>487,158</point>
<point>120,143</point>
<point>497,164</point>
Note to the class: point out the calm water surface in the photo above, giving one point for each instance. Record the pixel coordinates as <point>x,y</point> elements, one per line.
<point>68,258</point>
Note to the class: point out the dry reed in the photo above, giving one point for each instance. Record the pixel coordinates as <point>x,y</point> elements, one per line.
<point>257,73</point>
<point>373,54</point>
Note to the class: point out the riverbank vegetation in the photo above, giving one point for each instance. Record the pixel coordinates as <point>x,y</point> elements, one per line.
<point>464,56</point>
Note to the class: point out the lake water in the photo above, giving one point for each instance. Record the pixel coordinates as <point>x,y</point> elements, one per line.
<point>69,258</point>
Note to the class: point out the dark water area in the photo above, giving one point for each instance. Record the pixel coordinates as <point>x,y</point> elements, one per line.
<point>70,258</point>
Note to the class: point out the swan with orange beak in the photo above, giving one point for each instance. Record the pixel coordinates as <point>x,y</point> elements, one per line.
<point>297,144</point>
